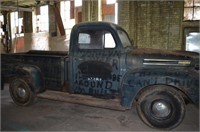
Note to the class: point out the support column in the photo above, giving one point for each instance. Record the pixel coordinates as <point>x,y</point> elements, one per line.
<point>90,10</point>
<point>59,19</point>
<point>52,22</point>
<point>27,22</point>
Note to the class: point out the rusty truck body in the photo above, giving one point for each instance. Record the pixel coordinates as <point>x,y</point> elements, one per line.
<point>103,64</point>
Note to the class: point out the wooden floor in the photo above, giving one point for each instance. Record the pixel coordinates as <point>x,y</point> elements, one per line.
<point>51,115</point>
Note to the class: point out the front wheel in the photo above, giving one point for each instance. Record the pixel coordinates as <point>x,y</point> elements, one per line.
<point>21,92</point>
<point>161,107</point>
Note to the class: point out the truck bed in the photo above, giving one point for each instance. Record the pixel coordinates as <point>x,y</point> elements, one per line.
<point>53,65</point>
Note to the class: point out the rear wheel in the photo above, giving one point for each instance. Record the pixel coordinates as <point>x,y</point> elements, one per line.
<point>161,107</point>
<point>21,92</point>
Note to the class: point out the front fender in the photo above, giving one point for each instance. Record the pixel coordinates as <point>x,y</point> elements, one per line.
<point>185,80</point>
<point>32,75</point>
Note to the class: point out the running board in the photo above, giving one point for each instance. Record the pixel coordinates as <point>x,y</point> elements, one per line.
<point>113,104</point>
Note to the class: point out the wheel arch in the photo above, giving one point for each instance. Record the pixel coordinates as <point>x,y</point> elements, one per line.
<point>32,75</point>
<point>179,90</point>
<point>136,81</point>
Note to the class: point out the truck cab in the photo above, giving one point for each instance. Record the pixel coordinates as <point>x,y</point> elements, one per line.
<point>97,58</point>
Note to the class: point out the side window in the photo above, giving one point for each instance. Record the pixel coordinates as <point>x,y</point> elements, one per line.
<point>109,41</point>
<point>95,39</point>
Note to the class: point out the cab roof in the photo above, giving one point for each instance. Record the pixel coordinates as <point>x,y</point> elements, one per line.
<point>99,23</point>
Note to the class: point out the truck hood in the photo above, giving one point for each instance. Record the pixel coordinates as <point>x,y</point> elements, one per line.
<point>155,57</point>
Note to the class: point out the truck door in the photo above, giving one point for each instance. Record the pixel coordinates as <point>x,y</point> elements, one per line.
<point>96,63</point>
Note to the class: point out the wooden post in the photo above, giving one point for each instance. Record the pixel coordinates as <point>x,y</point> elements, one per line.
<point>59,20</point>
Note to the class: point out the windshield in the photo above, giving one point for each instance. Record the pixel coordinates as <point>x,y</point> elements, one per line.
<point>124,38</point>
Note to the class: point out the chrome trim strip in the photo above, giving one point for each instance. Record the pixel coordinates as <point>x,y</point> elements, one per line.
<point>166,62</point>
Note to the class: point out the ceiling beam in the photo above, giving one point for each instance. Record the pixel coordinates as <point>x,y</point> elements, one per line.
<point>12,8</point>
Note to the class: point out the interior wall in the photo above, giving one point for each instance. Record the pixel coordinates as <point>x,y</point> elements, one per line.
<point>153,24</point>
<point>90,10</point>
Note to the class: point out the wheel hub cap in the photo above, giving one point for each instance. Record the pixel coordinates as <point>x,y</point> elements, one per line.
<point>21,92</point>
<point>161,109</point>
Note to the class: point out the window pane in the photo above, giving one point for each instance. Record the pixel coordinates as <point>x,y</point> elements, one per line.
<point>44,18</point>
<point>192,42</point>
<point>110,2</point>
<point>84,38</point>
<point>109,41</point>
<point>197,13</point>
<point>66,10</point>
<point>196,2</point>
<point>188,13</point>
<point>188,3</point>
<point>78,3</point>
<point>2,25</point>
<point>93,39</point>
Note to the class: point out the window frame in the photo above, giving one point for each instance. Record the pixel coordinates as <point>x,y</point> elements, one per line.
<point>193,6</point>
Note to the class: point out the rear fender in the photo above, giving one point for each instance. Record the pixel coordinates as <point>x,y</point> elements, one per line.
<point>32,75</point>
<point>135,81</point>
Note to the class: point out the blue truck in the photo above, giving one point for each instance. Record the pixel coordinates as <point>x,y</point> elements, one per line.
<point>103,65</point>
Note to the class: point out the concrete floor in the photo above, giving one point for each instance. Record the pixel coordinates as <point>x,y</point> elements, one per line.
<point>49,115</point>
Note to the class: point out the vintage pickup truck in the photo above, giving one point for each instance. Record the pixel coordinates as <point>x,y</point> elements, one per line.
<point>103,65</point>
